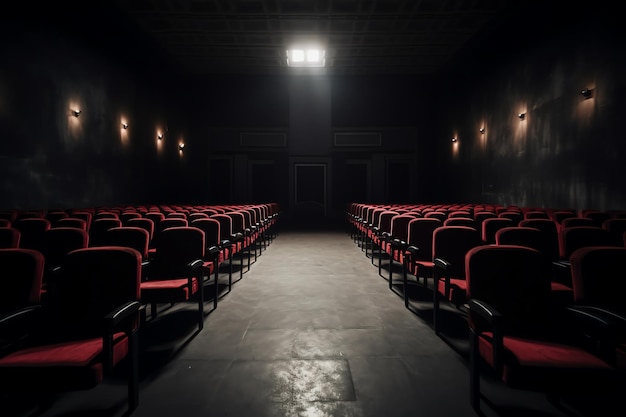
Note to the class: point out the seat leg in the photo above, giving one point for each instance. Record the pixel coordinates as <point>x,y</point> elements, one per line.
<point>474,383</point>
<point>133,373</point>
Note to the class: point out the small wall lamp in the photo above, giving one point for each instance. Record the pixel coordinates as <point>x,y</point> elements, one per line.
<point>125,125</point>
<point>586,93</point>
<point>482,130</point>
<point>521,116</point>
<point>75,113</point>
<point>181,147</point>
<point>454,140</point>
<point>160,136</point>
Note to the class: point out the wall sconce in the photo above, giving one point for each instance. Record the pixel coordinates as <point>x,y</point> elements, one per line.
<point>482,130</point>
<point>160,136</point>
<point>521,116</point>
<point>454,140</point>
<point>586,93</point>
<point>125,125</point>
<point>181,147</point>
<point>75,113</point>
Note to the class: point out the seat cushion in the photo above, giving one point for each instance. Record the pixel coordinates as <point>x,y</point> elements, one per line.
<point>543,365</point>
<point>72,365</point>
<point>458,289</point>
<point>167,290</point>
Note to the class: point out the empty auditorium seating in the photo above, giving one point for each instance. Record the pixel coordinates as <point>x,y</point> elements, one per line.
<point>516,330</point>
<point>86,332</point>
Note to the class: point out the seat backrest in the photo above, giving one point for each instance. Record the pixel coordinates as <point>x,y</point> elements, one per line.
<point>400,226</point>
<point>211,229</point>
<point>71,222</point>
<point>238,221</point>
<point>143,222</point>
<point>384,220</point>
<point>536,214</point>
<point>491,226</point>
<point>515,280</point>
<point>134,237</point>
<point>94,281</point>
<point>196,216</point>
<point>437,214</point>
<point>598,216</point>
<point>167,223</point>
<point>572,238</point>
<point>599,276</point>
<point>452,244</point>
<point>55,215</point>
<point>616,226</point>
<point>460,221</point>
<point>31,231</point>
<point>86,215</point>
<point>421,236</point>
<point>529,237</point>
<point>550,234</point>
<point>578,221</point>
<point>22,276</point>
<point>176,247</point>
<point>516,216</point>
<point>226,230</point>
<point>99,228</point>
<point>59,241</point>
<point>125,216</point>
<point>9,237</point>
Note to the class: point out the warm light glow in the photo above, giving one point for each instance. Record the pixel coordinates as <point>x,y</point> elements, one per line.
<point>125,125</point>
<point>76,113</point>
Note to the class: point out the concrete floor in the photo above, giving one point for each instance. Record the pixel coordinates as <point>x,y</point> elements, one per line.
<point>312,330</point>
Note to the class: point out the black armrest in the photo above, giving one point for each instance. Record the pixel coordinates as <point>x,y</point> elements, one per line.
<point>442,263</point>
<point>562,264</point>
<point>412,250</point>
<point>21,320</point>
<point>115,317</point>
<point>195,264</point>
<point>604,328</point>
<point>495,319</point>
<point>398,244</point>
<point>213,252</point>
<point>127,314</point>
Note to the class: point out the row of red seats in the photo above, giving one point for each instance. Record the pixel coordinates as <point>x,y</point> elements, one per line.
<point>74,301</point>
<point>534,267</point>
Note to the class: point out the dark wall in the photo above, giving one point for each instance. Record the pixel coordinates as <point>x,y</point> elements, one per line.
<point>568,152</point>
<point>290,121</point>
<point>48,157</point>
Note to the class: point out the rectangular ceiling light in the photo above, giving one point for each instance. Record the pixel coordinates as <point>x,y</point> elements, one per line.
<point>306,57</point>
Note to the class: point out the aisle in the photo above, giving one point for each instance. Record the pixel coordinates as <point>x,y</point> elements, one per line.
<point>311,330</point>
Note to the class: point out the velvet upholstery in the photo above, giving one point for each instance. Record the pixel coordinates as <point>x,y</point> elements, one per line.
<point>515,328</point>
<point>177,269</point>
<point>450,245</point>
<point>85,331</point>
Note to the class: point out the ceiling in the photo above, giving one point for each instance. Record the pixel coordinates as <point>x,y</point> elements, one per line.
<point>417,37</point>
